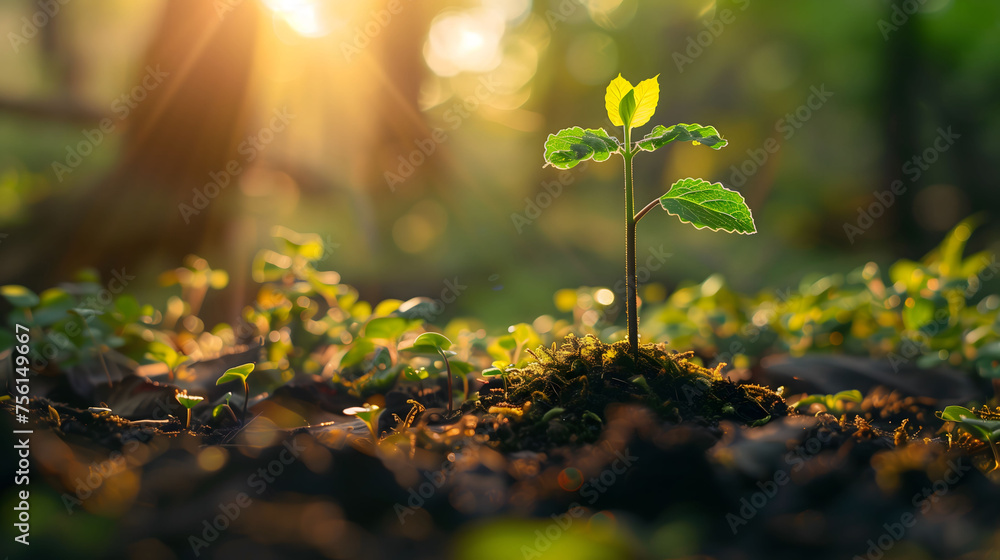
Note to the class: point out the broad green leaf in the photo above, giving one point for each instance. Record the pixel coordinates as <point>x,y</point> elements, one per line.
<point>661,136</point>
<point>703,204</point>
<point>626,109</point>
<point>647,95</point>
<point>19,296</point>
<point>492,372</point>
<point>571,146</point>
<point>389,328</point>
<point>361,348</point>
<point>238,373</point>
<point>613,98</point>
<point>433,339</point>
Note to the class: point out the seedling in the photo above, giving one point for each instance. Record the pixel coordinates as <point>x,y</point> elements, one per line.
<point>369,415</point>
<point>188,402</point>
<point>219,408</point>
<point>695,201</point>
<point>239,373</point>
<point>986,431</point>
<point>499,368</point>
<point>835,404</point>
<point>434,343</point>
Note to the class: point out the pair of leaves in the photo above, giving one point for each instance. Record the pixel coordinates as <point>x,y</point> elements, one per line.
<point>571,146</point>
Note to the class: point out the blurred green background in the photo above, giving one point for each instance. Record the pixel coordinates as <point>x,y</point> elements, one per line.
<point>409,134</point>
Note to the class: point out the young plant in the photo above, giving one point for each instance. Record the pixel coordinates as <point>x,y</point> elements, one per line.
<point>368,414</point>
<point>188,402</point>
<point>219,408</point>
<point>695,201</point>
<point>986,431</point>
<point>434,343</point>
<point>239,373</point>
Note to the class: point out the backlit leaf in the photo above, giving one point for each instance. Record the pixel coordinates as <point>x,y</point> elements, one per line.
<point>703,204</point>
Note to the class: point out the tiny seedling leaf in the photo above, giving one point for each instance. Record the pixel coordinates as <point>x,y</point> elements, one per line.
<point>626,109</point>
<point>703,204</point>
<point>238,373</point>
<point>188,401</point>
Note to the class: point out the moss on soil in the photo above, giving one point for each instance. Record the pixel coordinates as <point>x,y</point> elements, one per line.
<point>561,398</point>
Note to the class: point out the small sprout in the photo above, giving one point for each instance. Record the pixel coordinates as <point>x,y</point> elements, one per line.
<point>368,414</point>
<point>834,404</point>
<point>552,414</point>
<point>239,373</point>
<point>220,408</point>
<point>188,402</point>
<point>592,416</point>
<point>434,343</point>
<point>986,431</point>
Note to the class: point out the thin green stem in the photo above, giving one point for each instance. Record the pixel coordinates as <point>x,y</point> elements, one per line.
<point>631,311</point>
<point>447,367</point>
<point>246,399</point>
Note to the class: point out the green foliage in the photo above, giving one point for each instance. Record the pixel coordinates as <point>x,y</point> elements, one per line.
<point>834,404</point>
<point>19,296</point>
<point>976,425</point>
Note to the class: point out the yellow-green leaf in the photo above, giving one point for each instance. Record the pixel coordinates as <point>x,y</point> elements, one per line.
<point>617,89</point>
<point>647,95</point>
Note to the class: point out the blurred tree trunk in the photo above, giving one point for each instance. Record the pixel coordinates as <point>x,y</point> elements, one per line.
<point>182,125</point>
